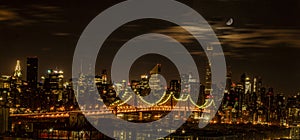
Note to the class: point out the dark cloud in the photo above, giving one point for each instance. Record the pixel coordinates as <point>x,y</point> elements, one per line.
<point>29,15</point>
<point>7,15</point>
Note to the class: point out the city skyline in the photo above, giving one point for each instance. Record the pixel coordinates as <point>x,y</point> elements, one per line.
<point>23,75</point>
<point>150,69</point>
<point>245,104</point>
<point>34,81</point>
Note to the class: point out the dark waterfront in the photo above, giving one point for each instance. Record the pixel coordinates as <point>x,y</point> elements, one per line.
<point>212,131</point>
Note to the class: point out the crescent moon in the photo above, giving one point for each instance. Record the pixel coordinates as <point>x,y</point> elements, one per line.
<point>229,22</point>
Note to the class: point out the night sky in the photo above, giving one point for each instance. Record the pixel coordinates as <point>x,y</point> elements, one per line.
<point>264,39</point>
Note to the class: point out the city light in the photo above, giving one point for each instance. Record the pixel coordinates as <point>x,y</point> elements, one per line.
<point>41,97</point>
<point>245,102</point>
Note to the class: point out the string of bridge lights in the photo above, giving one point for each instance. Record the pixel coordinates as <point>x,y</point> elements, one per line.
<point>161,101</point>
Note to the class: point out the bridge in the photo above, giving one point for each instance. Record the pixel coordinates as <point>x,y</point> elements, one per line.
<point>68,122</point>
<point>162,105</point>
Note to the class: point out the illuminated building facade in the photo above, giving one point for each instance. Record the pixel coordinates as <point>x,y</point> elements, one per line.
<point>208,83</point>
<point>54,81</point>
<point>5,81</point>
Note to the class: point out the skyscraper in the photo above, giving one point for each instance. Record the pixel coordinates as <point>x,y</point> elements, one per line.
<point>54,80</point>
<point>32,71</point>
<point>208,80</point>
<point>18,71</point>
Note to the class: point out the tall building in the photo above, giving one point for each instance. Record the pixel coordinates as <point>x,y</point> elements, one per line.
<point>246,82</point>
<point>16,79</point>
<point>54,81</point>
<point>32,71</point>
<point>228,79</point>
<point>155,79</point>
<point>4,111</point>
<point>156,84</point>
<point>175,86</point>
<point>184,83</point>
<point>208,80</point>
<point>18,73</point>
<point>239,90</point>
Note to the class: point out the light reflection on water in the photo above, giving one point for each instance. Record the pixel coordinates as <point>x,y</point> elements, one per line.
<point>210,132</point>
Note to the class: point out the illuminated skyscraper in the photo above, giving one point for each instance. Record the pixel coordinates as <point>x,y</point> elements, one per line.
<point>269,104</point>
<point>18,73</point>
<point>185,83</point>
<point>156,84</point>
<point>208,86</point>
<point>32,71</point>
<point>16,78</point>
<point>155,81</point>
<point>239,90</point>
<point>104,77</point>
<point>246,82</point>
<point>54,80</point>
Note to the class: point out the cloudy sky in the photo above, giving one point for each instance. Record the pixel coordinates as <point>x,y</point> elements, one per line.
<point>263,40</point>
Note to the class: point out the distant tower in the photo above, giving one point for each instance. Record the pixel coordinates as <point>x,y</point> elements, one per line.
<point>18,73</point>
<point>32,71</point>
<point>208,88</point>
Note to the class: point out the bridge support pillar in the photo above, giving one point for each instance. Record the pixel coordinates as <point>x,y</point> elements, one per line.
<point>140,116</point>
